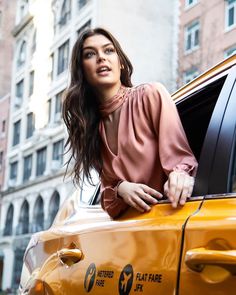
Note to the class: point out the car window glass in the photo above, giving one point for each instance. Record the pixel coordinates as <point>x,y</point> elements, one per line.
<point>89,190</point>
<point>195,113</point>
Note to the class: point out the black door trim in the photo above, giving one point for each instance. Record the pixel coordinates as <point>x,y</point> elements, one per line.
<point>203,178</point>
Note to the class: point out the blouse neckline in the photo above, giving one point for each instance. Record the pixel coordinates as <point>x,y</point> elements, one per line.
<point>109,106</point>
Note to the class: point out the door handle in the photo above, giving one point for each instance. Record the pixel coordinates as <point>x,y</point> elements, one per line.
<point>70,256</point>
<point>197,259</point>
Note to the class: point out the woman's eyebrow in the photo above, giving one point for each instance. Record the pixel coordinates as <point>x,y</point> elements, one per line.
<point>93,47</point>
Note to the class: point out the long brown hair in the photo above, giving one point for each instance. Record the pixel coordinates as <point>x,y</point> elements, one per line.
<point>81,109</point>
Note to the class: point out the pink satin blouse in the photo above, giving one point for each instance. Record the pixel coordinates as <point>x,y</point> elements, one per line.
<point>151,142</point>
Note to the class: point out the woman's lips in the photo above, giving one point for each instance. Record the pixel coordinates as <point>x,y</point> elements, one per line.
<point>103,69</point>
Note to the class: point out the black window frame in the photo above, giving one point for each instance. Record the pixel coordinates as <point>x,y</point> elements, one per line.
<point>212,159</point>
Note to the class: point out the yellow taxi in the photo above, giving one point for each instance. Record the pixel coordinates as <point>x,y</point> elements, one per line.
<point>183,251</point>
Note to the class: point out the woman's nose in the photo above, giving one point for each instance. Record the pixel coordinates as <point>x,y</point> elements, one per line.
<point>100,57</point>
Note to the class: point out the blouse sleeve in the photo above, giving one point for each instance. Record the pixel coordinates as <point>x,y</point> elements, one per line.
<point>174,151</point>
<point>110,200</point>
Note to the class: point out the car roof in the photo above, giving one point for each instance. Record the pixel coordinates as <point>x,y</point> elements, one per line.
<point>205,78</point>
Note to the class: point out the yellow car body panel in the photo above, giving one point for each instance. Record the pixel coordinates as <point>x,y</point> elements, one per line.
<point>138,253</point>
<point>210,249</point>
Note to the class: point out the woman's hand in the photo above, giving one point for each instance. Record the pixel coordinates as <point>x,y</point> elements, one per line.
<point>137,195</point>
<point>179,187</point>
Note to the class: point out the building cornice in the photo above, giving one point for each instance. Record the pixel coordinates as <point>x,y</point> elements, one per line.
<point>23,23</point>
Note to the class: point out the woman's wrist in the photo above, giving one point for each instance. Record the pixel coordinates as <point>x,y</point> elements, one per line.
<point>118,190</point>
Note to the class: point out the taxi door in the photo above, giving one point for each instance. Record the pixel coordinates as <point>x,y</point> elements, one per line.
<point>137,254</point>
<point>208,264</point>
<point>209,253</point>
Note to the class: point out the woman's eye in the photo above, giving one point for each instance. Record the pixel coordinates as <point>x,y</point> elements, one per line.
<point>89,54</point>
<point>109,50</point>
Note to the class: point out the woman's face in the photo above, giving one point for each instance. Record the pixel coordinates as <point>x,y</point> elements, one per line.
<point>100,62</point>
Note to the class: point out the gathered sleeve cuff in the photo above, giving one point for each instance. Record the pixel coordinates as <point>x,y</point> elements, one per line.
<point>174,151</point>
<point>110,201</point>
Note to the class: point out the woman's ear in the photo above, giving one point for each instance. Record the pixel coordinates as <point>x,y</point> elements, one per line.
<point>122,67</point>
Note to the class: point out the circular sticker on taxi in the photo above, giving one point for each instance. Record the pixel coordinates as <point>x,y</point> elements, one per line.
<point>126,280</point>
<point>90,277</point>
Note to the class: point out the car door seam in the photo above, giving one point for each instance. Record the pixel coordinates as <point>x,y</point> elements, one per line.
<point>182,246</point>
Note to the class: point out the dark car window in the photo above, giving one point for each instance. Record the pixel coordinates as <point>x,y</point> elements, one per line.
<point>195,113</point>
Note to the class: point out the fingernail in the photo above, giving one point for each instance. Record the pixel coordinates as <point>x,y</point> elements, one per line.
<point>182,202</point>
<point>174,205</point>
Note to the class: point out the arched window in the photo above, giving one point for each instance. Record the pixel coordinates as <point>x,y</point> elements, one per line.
<point>65,13</point>
<point>38,223</point>
<point>53,207</point>
<point>9,221</point>
<point>23,226</point>
<point>22,55</point>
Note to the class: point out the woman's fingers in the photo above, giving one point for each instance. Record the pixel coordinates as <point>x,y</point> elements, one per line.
<point>140,207</point>
<point>187,189</point>
<point>150,191</point>
<point>140,203</point>
<point>138,195</point>
<point>178,187</point>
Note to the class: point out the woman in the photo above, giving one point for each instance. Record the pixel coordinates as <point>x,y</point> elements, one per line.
<point>131,135</point>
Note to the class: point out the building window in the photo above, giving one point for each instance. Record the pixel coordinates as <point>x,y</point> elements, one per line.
<point>65,13</point>
<point>51,69</point>
<point>230,14</point>
<point>3,126</point>
<point>13,171</point>
<point>9,221</point>
<point>63,56</point>
<point>190,75</point>
<point>49,110</point>
<point>33,45</point>
<point>19,93</point>
<point>82,3</point>
<point>41,161</point>
<point>58,106</point>
<point>18,262</point>
<point>23,8</point>
<point>86,26</point>
<point>23,225</point>
<point>190,3</point>
<point>1,160</point>
<point>192,36</point>
<point>30,125</point>
<point>16,133</point>
<point>230,51</point>
<point>22,55</point>
<point>57,154</point>
<point>27,167</point>
<point>31,83</point>
<point>38,223</point>
<point>53,207</point>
